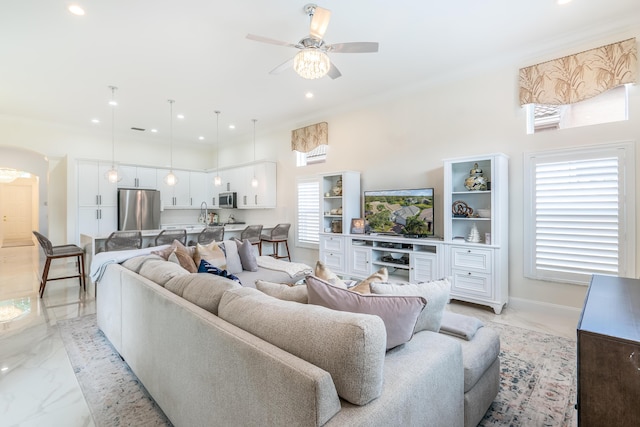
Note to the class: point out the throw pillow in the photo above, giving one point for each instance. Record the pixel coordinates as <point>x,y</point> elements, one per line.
<point>166,250</point>
<point>247,255</point>
<point>436,293</point>
<point>284,291</point>
<point>399,313</point>
<point>323,272</point>
<point>206,267</point>
<point>234,263</point>
<point>212,254</point>
<point>184,258</point>
<point>363,287</point>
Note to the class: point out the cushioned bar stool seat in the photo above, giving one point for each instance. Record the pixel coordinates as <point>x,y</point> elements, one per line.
<point>57,252</point>
<point>279,234</point>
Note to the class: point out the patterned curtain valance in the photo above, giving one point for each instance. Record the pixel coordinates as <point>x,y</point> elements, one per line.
<point>307,138</point>
<point>580,76</point>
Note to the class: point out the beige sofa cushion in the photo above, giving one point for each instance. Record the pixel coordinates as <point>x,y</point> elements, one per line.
<point>161,271</point>
<point>350,346</point>
<point>135,264</point>
<point>283,291</point>
<point>204,290</point>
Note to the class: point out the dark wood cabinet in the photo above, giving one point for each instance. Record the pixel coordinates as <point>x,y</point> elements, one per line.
<point>609,353</point>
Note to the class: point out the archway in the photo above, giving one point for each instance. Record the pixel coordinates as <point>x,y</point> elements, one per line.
<point>36,164</point>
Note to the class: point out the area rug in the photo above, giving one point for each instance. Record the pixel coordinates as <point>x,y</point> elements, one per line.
<point>537,386</point>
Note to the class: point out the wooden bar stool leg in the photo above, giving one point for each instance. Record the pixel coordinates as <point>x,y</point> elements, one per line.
<point>45,274</point>
<point>286,244</point>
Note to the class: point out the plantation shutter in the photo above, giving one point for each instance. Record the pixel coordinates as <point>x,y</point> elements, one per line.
<point>308,211</point>
<point>577,207</point>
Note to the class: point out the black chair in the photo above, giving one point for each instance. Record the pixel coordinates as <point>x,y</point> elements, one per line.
<point>278,234</point>
<point>252,234</point>
<point>210,234</point>
<point>122,240</point>
<point>57,252</point>
<point>166,237</point>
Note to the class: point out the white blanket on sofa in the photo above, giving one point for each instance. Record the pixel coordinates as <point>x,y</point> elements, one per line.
<point>101,260</point>
<point>291,268</point>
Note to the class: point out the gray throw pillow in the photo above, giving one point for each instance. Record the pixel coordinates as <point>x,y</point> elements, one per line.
<point>399,313</point>
<point>436,293</point>
<point>247,256</point>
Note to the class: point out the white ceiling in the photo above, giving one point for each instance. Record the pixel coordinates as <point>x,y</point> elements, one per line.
<point>56,67</point>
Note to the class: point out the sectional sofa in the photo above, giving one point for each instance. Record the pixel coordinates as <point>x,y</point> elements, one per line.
<point>213,352</point>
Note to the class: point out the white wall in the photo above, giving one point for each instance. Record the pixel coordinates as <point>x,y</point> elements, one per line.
<point>396,141</point>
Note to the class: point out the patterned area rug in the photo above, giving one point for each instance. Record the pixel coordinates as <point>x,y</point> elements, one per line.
<point>537,386</point>
<point>113,393</point>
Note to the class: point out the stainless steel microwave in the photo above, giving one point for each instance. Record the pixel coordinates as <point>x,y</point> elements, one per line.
<point>228,200</point>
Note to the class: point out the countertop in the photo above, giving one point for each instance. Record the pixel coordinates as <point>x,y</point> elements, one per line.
<point>191,229</point>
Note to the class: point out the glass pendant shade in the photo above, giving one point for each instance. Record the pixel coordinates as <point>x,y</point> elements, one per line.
<point>112,175</point>
<point>171,178</point>
<point>254,182</point>
<point>217,181</point>
<point>311,63</point>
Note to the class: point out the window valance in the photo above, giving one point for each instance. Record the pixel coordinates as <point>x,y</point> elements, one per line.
<point>307,138</point>
<point>580,76</point>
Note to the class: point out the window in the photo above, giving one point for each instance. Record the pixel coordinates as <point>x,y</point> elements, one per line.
<point>317,155</point>
<point>610,106</point>
<point>580,207</point>
<point>308,229</point>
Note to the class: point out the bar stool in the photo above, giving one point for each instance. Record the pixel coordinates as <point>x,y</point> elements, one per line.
<point>121,240</point>
<point>252,234</point>
<point>211,234</point>
<point>56,252</point>
<point>166,237</point>
<point>279,234</point>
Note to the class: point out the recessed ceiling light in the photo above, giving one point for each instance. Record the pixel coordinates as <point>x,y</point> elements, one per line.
<point>201,138</point>
<point>113,102</point>
<point>308,95</point>
<point>96,121</point>
<point>154,130</point>
<point>232,126</point>
<point>180,116</point>
<point>561,2</point>
<point>76,10</point>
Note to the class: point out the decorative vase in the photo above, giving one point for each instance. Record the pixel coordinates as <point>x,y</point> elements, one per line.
<point>476,181</point>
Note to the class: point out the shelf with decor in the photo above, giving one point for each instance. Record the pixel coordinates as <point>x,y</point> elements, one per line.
<point>476,228</point>
<point>339,201</point>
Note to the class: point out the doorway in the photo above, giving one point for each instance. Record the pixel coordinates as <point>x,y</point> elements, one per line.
<point>18,210</point>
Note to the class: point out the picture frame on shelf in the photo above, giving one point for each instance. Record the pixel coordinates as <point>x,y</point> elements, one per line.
<point>357,226</point>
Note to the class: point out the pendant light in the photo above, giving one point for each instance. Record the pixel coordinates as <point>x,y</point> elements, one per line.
<point>171,178</point>
<point>254,180</point>
<point>112,174</point>
<point>217,180</point>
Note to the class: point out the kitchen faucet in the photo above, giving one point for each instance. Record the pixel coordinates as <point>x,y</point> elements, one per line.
<point>205,217</point>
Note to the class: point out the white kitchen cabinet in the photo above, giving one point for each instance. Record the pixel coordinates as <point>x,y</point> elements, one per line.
<point>176,196</point>
<point>264,195</point>
<point>138,177</point>
<point>97,198</point>
<point>477,261</point>
<point>198,188</point>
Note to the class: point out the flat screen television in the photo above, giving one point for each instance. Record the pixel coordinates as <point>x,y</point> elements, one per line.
<point>408,213</point>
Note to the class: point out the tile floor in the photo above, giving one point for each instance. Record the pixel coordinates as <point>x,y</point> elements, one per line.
<point>37,384</point>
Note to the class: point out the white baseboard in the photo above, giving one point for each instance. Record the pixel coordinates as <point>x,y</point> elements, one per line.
<point>544,307</point>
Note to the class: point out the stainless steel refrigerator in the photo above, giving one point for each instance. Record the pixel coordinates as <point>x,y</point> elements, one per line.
<point>138,209</point>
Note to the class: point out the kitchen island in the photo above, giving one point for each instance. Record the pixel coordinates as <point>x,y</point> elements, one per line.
<point>95,244</point>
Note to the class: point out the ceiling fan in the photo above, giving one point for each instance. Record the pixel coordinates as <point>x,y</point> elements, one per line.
<point>312,61</point>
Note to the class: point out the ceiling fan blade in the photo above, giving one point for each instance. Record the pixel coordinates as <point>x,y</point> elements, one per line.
<point>319,22</point>
<point>354,47</point>
<point>334,73</point>
<point>268,40</point>
<point>280,68</point>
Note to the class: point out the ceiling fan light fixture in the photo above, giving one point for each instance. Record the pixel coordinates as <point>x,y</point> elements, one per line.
<point>311,63</point>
